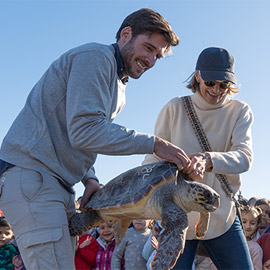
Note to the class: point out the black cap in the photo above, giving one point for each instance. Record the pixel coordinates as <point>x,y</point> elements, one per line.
<point>216,64</point>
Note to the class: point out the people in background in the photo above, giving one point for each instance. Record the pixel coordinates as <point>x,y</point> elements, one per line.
<point>251,218</point>
<point>131,246</point>
<point>105,247</point>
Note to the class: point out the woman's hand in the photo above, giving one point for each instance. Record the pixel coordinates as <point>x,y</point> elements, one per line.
<point>200,163</point>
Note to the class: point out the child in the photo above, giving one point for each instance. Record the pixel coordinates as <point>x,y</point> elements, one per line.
<point>251,217</point>
<point>7,250</point>
<point>105,247</point>
<point>85,255</point>
<point>264,205</point>
<point>131,246</point>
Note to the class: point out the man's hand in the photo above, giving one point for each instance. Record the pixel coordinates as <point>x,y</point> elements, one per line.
<point>91,186</point>
<point>171,153</point>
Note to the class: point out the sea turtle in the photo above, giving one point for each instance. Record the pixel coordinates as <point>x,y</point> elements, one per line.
<point>154,191</point>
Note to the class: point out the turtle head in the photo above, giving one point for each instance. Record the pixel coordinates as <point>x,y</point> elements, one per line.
<point>196,196</point>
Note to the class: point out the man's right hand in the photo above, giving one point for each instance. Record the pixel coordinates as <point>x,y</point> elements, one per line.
<point>171,153</point>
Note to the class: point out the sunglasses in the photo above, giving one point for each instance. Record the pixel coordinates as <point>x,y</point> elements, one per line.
<point>222,84</point>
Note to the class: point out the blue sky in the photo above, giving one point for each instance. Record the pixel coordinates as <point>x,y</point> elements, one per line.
<point>35,33</point>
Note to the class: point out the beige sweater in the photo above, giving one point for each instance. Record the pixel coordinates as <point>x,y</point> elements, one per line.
<point>228,128</point>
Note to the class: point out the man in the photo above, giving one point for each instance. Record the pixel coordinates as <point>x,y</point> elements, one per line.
<point>65,123</point>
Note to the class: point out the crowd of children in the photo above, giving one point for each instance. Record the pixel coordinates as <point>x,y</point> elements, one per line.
<point>96,249</point>
<point>255,214</point>
<point>256,223</point>
<point>138,247</point>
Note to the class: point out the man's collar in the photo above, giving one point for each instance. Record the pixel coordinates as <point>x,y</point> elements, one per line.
<point>120,64</point>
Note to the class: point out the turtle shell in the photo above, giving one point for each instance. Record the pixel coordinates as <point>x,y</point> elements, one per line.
<point>133,186</point>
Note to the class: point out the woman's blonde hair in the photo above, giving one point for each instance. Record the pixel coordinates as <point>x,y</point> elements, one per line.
<point>195,86</point>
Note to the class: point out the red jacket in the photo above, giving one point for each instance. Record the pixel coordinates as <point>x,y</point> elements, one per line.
<point>264,242</point>
<point>85,257</point>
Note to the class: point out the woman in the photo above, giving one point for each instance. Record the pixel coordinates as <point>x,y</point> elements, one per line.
<point>227,125</point>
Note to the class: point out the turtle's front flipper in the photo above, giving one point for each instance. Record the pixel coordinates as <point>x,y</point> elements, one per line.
<point>81,222</point>
<point>172,240</point>
<point>202,225</point>
<point>120,229</point>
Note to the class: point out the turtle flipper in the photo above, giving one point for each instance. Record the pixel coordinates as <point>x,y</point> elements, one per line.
<point>120,229</point>
<point>202,225</point>
<point>172,240</point>
<point>81,222</point>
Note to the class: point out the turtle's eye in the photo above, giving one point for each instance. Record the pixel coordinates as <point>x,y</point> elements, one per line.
<point>207,195</point>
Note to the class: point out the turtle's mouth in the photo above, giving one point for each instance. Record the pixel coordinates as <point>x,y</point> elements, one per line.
<point>211,202</point>
<point>209,208</point>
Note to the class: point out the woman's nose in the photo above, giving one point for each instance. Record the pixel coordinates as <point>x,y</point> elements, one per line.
<point>216,87</point>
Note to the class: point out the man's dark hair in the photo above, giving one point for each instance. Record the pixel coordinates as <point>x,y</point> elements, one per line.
<point>147,21</point>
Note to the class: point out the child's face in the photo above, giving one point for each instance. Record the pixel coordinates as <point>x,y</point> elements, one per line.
<point>265,215</point>
<point>140,224</point>
<point>106,232</point>
<point>6,235</point>
<point>250,222</point>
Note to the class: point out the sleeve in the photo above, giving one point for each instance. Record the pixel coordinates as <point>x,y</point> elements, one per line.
<point>118,255</point>
<point>239,158</point>
<point>257,258</point>
<point>150,259</point>
<point>88,252</point>
<point>89,103</point>
<point>90,174</point>
<point>6,254</point>
<point>147,249</point>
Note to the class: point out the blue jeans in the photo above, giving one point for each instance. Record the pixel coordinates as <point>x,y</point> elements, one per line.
<point>228,251</point>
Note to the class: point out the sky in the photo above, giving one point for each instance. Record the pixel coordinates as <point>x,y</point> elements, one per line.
<point>35,33</point>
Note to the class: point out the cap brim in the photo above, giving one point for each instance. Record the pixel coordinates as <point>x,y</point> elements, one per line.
<point>215,75</point>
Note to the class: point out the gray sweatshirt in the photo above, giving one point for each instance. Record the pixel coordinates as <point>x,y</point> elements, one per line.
<point>130,249</point>
<point>67,118</point>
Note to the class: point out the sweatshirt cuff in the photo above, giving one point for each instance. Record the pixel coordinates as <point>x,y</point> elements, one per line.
<point>144,143</point>
<point>90,174</point>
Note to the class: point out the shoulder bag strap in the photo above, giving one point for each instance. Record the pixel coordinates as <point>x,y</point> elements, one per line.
<point>196,125</point>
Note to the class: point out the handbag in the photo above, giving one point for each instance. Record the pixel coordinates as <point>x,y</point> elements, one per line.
<point>196,125</point>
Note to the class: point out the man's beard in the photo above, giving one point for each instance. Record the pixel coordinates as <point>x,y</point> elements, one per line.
<point>127,54</point>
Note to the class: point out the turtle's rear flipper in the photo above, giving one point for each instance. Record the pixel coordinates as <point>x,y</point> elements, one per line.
<point>172,240</point>
<point>81,222</point>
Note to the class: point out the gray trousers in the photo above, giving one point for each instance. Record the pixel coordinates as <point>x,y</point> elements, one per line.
<point>37,208</point>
